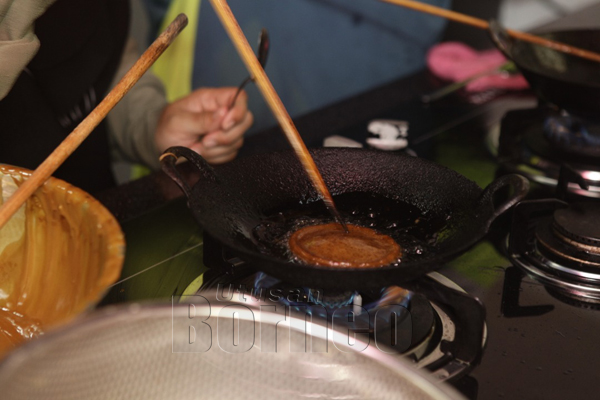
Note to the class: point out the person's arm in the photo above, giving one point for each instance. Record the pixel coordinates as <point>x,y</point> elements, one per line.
<point>143,124</point>
<point>18,43</point>
<point>132,123</point>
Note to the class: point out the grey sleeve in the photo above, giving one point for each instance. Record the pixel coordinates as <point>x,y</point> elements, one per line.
<point>132,123</point>
<point>18,43</point>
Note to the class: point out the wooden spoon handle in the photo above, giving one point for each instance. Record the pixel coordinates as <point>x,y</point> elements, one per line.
<point>82,131</point>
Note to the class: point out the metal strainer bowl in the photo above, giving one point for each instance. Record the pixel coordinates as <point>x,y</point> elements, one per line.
<point>207,351</point>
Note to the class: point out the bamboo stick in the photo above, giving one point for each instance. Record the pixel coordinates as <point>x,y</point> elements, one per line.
<point>482,24</point>
<point>264,84</point>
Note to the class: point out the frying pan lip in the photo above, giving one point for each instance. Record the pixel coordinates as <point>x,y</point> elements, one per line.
<point>541,72</point>
<point>334,150</point>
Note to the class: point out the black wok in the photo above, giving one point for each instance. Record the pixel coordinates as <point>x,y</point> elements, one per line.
<point>230,201</point>
<point>569,82</point>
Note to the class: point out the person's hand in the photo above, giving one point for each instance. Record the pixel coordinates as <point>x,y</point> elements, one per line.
<point>202,122</point>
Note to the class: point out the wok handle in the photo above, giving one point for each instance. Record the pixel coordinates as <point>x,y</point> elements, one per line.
<point>169,158</point>
<point>519,183</point>
<point>500,37</point>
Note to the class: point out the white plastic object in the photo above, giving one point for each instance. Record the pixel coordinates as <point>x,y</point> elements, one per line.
<point>391,134</point>
<point>340,141</point>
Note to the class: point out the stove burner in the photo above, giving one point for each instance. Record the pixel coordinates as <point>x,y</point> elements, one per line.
<point>573,135</point>
<point>425,325</point>
<point>579,225</point>
<point>329,301</point>
<point>571,239</point>
<point>521,146</point>
<point>568,253</point>
<point>557,245</point>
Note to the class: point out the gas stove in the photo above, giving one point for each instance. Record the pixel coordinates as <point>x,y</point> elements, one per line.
<point>553,241</point>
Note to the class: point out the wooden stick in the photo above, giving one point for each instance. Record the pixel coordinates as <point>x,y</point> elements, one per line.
<point>82,131</point>
<point>264,84</point>
<point>481,24</point>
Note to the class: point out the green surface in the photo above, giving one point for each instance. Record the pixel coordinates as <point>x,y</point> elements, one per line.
<point>475,264</point>
<point>163,255</point>
<point>463,152</point>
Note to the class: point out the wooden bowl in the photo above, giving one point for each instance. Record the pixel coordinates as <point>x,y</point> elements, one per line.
<point>58,255</point>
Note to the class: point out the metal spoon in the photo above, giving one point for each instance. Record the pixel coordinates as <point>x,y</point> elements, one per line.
<point>263,52</point>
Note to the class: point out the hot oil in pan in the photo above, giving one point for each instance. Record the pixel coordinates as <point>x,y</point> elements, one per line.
<point>414,230</point>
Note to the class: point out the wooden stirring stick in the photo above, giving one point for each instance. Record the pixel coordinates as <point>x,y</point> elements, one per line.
<point>264,84</point>
<point>481,24</point>
<point>82,131</point>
